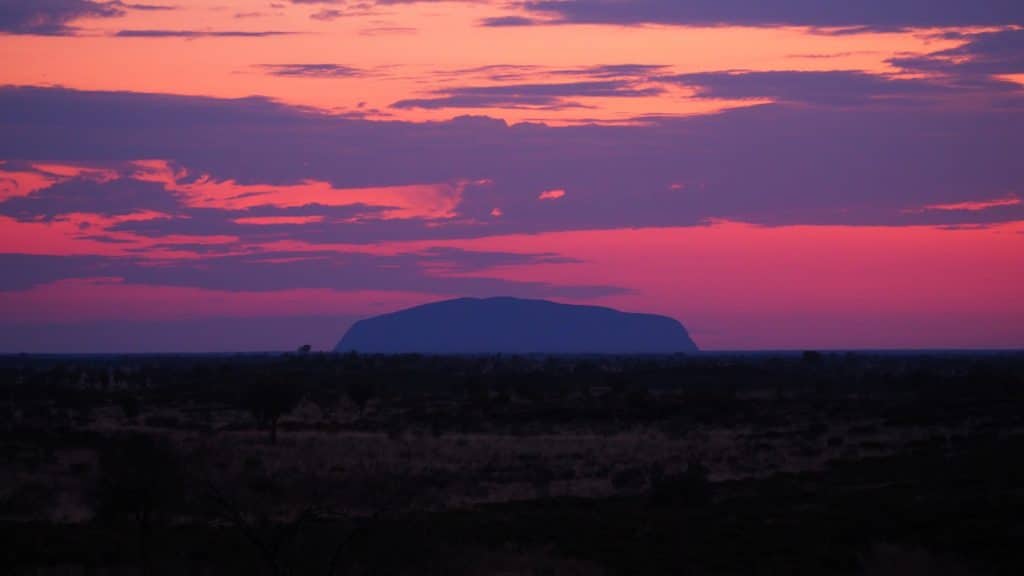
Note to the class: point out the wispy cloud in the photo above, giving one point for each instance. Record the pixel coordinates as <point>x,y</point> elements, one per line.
<point>441,270</point>
<point>508,21</point>
<point>313,70</point>
<point>554,95</point>
<point>52,17</point>
<point>835,88</point>
<point>57,17</point>
<point>972,205</point>
<point>865,15</point>
<point>158,33</point>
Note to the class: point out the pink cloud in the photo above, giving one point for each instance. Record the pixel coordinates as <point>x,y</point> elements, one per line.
<point>279,220</point>
<point>972,206</point>
<point>67,171</point>
<point>71,235</point>
<point>553,194</point>
<point>21,183</point>
<point>427,201</point>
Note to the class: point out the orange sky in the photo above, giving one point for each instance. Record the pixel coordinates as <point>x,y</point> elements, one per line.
<point>409,50</point>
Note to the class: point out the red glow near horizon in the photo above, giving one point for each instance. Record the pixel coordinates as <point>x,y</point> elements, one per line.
<point>735,286</point>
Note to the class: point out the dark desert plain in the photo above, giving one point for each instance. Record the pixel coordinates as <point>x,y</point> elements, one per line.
<point>511,287</point>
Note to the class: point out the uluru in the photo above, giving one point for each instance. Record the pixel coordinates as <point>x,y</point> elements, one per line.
<point>515,326</point>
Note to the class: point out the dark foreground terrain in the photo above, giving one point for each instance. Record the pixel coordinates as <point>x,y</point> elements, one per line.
<point>347,464</point>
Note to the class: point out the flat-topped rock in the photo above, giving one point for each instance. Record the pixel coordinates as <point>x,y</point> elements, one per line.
<point>515,326</point>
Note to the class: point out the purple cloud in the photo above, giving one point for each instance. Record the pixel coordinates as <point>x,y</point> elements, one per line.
<point>313,70</point>
<point>773,164</point>
<point>51,17</point>
<point>976,62</point>
<point>618,71</point>
<point>56,17</point>
<point>832,88</point>
<point>508,21</point>
<point>973,70</point>
<point>267,272</point>
<point>550,96</point>
<point>79,195</point>
<point>199,33</point>
<point>864,14</point>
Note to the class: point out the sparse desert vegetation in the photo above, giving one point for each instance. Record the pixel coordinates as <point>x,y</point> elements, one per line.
<point>352,464</point>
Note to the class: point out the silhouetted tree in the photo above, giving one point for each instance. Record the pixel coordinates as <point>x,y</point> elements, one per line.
<point>139,478</point>
<point>325,397</point>
<point>268,399</point>
<point>811,357</point>
<point>129,405</point>
<point>691,488</point>
<point>359,392</point>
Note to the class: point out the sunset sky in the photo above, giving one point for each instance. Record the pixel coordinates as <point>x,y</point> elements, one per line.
<point>234,175</point>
